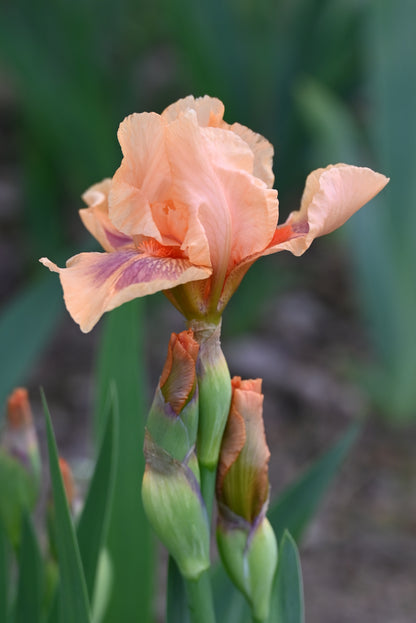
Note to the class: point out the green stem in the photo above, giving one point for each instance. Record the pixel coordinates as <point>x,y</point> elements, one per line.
<point>200,603</point>
<point>208,477</point>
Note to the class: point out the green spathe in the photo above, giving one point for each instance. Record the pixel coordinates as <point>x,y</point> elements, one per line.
<point>175,510</point>
<point>176,434</point>
<point>214,385</point>
<point>251,560</point>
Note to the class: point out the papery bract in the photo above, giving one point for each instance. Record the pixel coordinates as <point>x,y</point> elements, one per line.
<point>191,208</point>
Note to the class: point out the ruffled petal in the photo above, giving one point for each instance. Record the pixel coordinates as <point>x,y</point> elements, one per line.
<point>209,110</point>
<point>94,283</point>
<point>331,196</point>
<point>143,177</point>
<point>262,150</point>
<point>211,172</point>
<point>96,219</point>
<point>195,185</point>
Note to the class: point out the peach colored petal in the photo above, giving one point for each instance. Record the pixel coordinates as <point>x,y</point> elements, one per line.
<point>235,211</point>
<point>331,196</point>
<point>195,185</point>
<point>262,151</point>
<point>233,442</point>
<point>244,474</point>
<point>177,381</point>
<point>143,177</point>
<point>209,110</point>
<point>94,283</point>
<point>96,220</point>
<point>253,207</point>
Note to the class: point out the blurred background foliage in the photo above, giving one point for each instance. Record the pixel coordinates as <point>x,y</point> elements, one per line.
<point>324,80</point>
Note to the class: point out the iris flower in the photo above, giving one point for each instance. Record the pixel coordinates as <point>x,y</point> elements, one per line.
<point>190,209</point>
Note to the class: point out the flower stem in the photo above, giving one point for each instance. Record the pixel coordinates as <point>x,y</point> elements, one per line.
<point>200,603</point>
<point>208,475</point>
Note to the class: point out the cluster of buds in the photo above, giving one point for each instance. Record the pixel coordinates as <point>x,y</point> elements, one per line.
<point>245,538</point>
<point>171,484</point>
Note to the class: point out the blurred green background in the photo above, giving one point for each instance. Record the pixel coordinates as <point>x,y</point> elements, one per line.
<point>324,80</point>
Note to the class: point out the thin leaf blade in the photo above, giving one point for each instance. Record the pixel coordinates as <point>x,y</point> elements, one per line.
<point>287,600</point>
<point>93,524</point>
<point>72,589</point>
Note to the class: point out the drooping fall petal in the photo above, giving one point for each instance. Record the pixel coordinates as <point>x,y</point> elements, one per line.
<point>94,283</point>
<point>331,196</point>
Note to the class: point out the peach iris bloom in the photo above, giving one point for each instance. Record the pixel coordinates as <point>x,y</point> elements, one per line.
<point>191,208</point>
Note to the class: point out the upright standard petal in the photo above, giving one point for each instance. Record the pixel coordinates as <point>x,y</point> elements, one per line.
<point>143,177</point>
<point>262,152</point>
<point>209,110</point>
<point>97,221</point>
<point>94,283</point>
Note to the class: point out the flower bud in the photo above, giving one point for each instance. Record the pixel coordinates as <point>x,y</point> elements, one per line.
<point>214,392</point>
<point>19,465</point>
<point>246,540</point>
<point>171,494</point>
<point>19,438</point>
<point>173,418</point>
<point>175,509</point>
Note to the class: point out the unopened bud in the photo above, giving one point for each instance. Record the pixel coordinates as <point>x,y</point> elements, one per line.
<point>175,509</point>
<point>170,491</point>
<point>19,438</point>
<point>246,540</point>
<point>173,416</point>
<point>19,465</point>
<point>214,391</point>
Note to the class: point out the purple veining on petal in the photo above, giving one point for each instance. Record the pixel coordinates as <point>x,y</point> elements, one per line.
<point>117,239</point>
<point>300,228</point>
<point>146,269</point>
<point>108,264</point>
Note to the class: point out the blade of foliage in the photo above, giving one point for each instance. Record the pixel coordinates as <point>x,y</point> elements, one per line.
<point>72,589</point>
<point>29,590</point>
<point>129,540</point>
<point>176,605</point>
<point>296,506</point>
<point>4,575</point>
<point>103,586</point>
<point>287,601</point>
<point>22,340</point>
<point>389,53</point>
<point>93,524</point>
